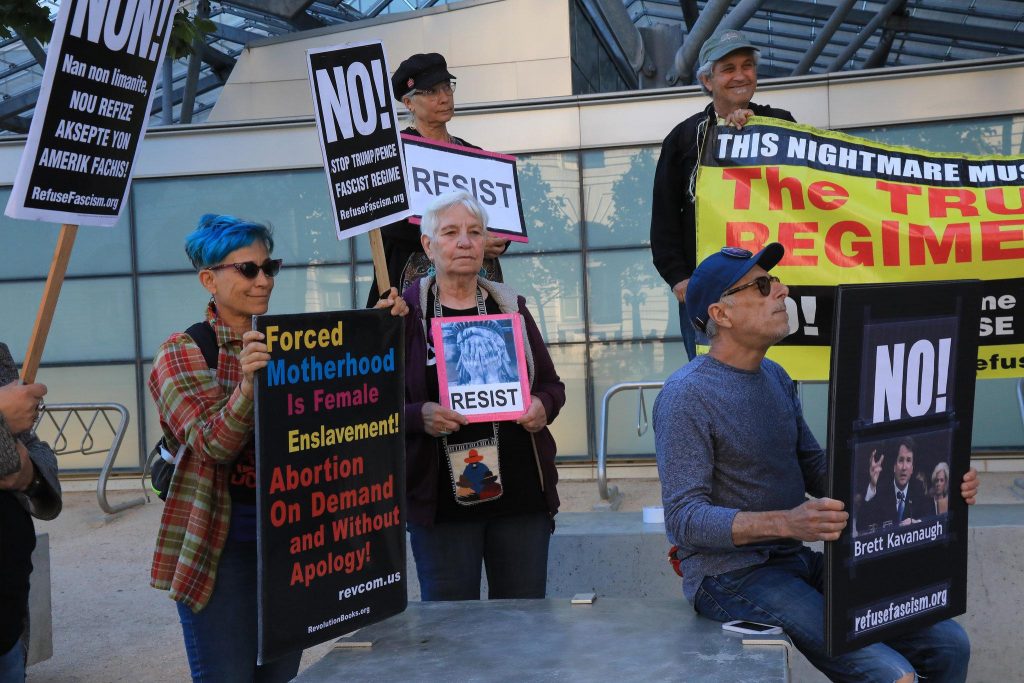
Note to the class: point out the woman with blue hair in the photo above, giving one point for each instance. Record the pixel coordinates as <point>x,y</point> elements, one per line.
<point>203,383</point>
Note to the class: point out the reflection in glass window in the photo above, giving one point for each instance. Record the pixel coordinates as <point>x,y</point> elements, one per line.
<point>630,362</point>
<point>550,192</point>
<point>553,289</point>
<point>97,251</point>
<point>993,135</point>
<point>364,279</point>
<point>94,384</point>
<point>93,320</point>
<point>628,300</point>
<point>617,189</point>
<point>19,302</point>
<point>294,203</point>
<point>181,299</point>
<point>167,304</point>
<point>312,289</point>
<point>570,428</point>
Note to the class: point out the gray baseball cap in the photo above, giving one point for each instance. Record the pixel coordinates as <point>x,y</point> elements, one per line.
<point>722,43</point>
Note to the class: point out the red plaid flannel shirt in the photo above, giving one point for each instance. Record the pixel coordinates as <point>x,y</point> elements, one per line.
<point>210,415</point>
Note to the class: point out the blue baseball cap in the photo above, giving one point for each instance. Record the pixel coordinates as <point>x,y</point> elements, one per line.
<point>719,272</point>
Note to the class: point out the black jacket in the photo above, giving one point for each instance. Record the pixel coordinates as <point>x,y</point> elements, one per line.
<point>17,533</point>
<point>673,228</point>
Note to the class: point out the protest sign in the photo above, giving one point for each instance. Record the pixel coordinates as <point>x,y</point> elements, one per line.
<point>93,106</point>
<point>359,139</point>
<point>900,420</point>
<point>852,211</point>
<point>435,168</point>
<point>330,476</point>
<point>481,366</point>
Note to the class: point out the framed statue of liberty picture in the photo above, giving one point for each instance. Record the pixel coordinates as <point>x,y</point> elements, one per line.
<point>481,366</point>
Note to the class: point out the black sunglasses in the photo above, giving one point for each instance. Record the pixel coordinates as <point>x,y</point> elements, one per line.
<point>764,285</point>
<point>250,269</point>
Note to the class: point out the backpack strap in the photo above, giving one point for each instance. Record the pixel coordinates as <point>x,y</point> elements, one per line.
<point>206,339</point>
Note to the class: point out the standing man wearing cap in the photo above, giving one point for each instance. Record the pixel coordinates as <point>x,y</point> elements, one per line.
<point>736,460</point>
<point>28,488</point>
<point>426,88</point>
<point>728,73</point>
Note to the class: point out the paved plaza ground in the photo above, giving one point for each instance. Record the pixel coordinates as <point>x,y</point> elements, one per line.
<point>109,625</point>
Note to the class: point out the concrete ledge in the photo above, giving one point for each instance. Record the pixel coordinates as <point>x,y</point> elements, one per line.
<point>550,640</point>
<point>615,554</point>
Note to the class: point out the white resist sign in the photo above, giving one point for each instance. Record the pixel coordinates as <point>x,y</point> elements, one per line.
<point>433,169</point>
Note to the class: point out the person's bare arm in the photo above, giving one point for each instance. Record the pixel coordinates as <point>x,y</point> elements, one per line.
<point>817,519</point>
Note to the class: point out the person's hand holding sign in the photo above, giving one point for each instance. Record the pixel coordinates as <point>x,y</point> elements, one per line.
<point>254,356</point>
<point>495,247</point>
<point>441,421</point>
<point>737,119</point>
<point>20,404</point>
<point>535,418</point>
<point>393,301</point>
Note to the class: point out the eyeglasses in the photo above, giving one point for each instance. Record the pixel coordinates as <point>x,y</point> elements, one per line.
<point>446,87</point>
<point>250,269</point>
<point>764,285</point>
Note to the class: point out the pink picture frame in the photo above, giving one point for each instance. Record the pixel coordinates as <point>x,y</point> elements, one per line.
<point>481,366</point>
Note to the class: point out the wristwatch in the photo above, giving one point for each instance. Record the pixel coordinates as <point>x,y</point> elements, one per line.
<point>33,488</point>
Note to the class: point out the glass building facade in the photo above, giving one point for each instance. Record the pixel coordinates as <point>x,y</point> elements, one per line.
<point>586,274</point>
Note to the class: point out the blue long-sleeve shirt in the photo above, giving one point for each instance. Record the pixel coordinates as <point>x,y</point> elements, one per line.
<point>729,440</point>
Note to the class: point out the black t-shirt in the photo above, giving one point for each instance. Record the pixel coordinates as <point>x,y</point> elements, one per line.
<point>242,489</point>
<point>520,473</point>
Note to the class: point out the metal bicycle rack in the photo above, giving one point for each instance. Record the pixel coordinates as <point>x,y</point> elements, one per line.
<point>611,493</point>
<point>83,429</point>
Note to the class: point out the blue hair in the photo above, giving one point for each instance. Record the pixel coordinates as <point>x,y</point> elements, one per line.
<point>217,236</point>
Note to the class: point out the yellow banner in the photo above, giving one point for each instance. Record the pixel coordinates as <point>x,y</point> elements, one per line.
<point>849,210</point>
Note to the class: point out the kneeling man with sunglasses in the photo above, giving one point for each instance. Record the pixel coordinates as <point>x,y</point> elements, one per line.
<point>736,460</point>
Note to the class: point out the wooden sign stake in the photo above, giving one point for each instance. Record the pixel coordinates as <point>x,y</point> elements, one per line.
<point>380,264</point>
<point>59,266</point>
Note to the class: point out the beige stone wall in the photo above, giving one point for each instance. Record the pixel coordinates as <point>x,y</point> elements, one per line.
<point>500,50</point>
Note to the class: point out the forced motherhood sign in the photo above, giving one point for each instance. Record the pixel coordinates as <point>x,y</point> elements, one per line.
<point>900,421</point>
<point>853,211</point>
<point>330,476</point>
<point>359,138</point>
<point>92,111</point>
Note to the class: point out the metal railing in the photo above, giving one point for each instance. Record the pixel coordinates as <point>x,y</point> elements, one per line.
<point>83,429</point>
<point>611,493</point>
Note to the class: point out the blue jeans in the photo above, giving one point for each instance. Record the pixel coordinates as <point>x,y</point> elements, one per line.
<point>787,590</point>
<point>12,664</point>
<point>514,549</point>
<point>689,334</point>
<point>220,639</point>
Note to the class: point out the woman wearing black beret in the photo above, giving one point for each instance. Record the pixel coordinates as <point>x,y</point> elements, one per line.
<point>423,84</point>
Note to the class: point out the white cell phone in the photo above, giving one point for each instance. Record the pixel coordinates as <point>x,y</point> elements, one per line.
<point>583,599</point>
<point>751,627</point>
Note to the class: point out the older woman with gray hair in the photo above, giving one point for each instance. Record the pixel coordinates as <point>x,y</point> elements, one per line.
<point>481,493</point>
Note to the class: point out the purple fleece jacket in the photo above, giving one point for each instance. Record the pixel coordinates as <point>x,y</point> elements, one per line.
<point>421,462</point>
